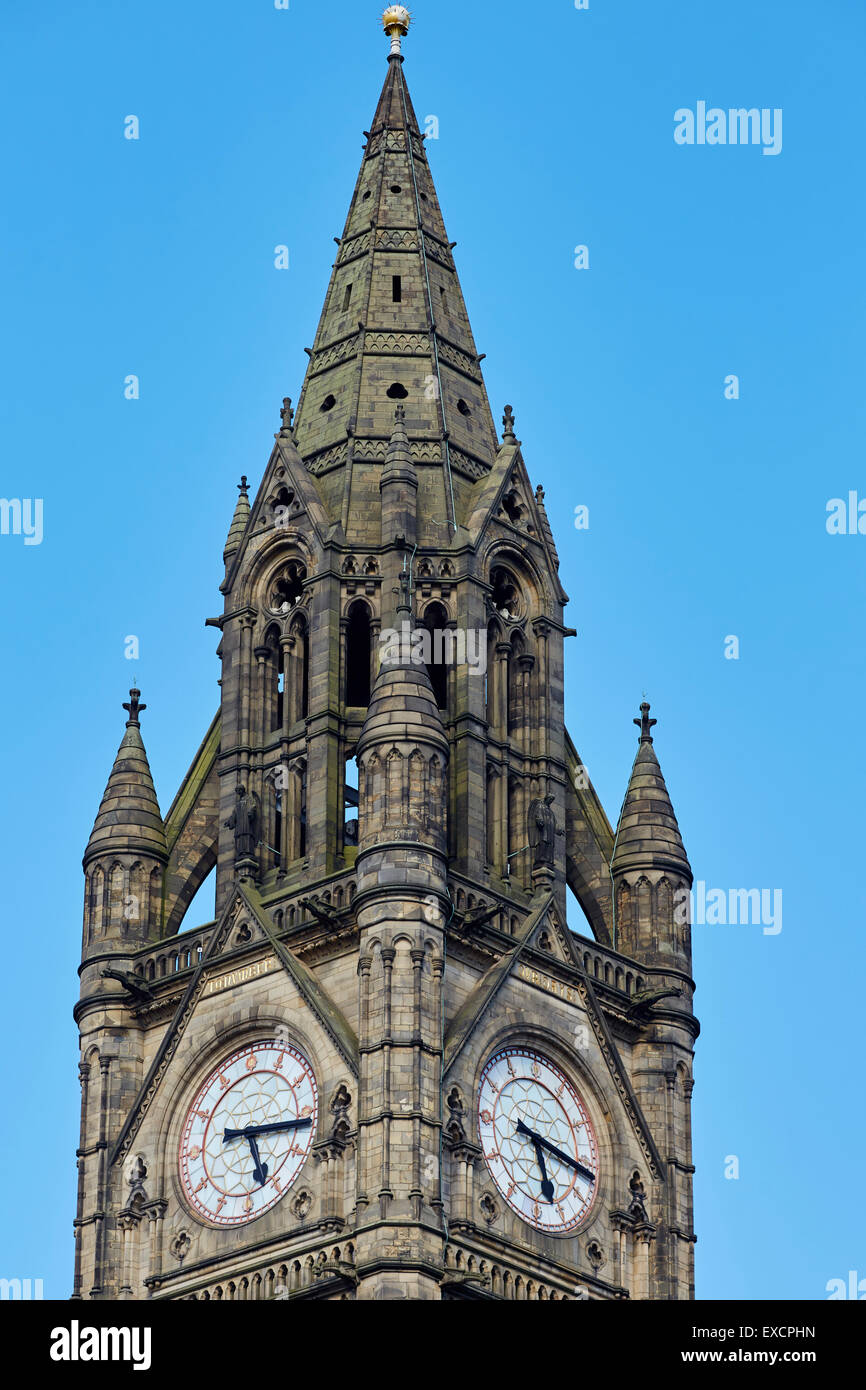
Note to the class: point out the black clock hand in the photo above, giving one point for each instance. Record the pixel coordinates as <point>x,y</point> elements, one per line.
<point>565,1158</point>
<point>546,1184</point>
<point>279,1127</point>
<point>557,1153</point>
<point>260,1170</point>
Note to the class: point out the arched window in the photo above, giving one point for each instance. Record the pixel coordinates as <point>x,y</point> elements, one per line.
<point>302,820</point>
<point>358,641</point>
<point>350,803</point>
<point>274,680</point>
<point>299,706</point>
<point>441,641</point>
<point>276,847</point>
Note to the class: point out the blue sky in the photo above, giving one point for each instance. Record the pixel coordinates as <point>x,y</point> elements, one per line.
<point>707,516</point>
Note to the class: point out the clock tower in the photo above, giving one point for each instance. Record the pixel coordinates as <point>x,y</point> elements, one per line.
<point>390,1068</point>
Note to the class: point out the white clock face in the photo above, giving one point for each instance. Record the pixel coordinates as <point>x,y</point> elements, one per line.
<point>537,1140</point>
<point>248,1133</point>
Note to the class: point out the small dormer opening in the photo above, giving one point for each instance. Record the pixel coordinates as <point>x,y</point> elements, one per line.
<point>397,392</point>
<point>511,504</point>
<point>397,289</point>
<point>347,298</point>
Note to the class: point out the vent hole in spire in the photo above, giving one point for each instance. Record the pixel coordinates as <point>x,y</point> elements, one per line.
<point>396,188</point>
<point>347,298</point>
<point>397,288</point>
<point>463,407</point>
<point>398,391</point>
<point>328,404</point>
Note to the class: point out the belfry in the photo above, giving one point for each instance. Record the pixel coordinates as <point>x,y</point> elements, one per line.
<point>389,1069</point>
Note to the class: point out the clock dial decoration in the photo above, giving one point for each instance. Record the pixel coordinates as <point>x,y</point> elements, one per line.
<point>537,1140</point>
<point>248,1133</point>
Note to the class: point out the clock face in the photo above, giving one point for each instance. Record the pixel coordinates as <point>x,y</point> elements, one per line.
<point>248,1133</point>
<point>537,1140</point>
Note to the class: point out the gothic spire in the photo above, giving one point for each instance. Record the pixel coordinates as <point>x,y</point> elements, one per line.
<point>129,819</point>
<point>239,520</point>
<point>648,836</point>
<point>394,329</point>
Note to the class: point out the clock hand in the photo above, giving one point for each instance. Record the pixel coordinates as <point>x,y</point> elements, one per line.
<point>546,1184</point>
<point>557,1153</point>
<point>278,1127</point>
<point>260,1170</point>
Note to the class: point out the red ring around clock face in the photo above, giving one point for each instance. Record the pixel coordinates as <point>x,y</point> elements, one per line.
<point>263,1084</point>
<point>520,1087</point>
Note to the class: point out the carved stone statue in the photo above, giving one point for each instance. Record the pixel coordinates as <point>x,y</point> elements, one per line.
<point>244,821</point>
<point>541,833</point>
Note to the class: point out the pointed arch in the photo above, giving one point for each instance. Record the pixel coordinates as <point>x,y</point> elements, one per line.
<point>357,683</point>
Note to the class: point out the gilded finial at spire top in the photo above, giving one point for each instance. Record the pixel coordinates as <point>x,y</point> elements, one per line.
<point>134,708</point>
<point>645,724</point>
<point>396,21</point>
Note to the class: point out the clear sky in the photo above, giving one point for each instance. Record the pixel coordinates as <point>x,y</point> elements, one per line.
<point>707,515</point>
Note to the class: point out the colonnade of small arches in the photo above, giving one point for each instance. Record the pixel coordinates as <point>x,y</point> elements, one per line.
<point>180,954</point>
<point>501,1282</point>
<point>279,1281</point>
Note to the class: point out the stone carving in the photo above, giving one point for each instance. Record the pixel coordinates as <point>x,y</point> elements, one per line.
<point>542,831</point>
<point>637,1203</point>
<point>180,1246</point>
<point>244,821</point>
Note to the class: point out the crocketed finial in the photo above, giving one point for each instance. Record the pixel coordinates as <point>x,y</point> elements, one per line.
<point>645,723</point>
<point>508,423</point>
<point>134,708</point>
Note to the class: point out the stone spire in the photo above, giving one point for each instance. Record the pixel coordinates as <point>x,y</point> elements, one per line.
<point>239,520</point>
<point>399,487</point>
<point>129,819</point>
<point>648,836</point>
<point>394,329</point>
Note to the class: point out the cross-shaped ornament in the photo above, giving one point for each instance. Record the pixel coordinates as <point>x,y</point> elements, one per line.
<point>134,709</point>
<point>287,414</point>
<point>645,723</point>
